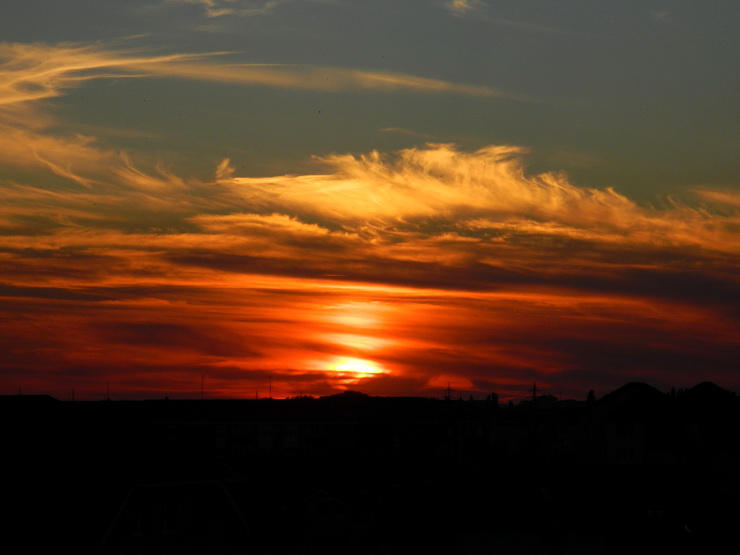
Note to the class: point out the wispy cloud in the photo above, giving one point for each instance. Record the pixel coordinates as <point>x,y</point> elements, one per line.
<point>33,72</point>
<point>486,189</point>
<point>435,263</point>
<point>438,265</point>
<point>481,11</point>
<point>720,197</point>
<point>460,7</point>
<point>476,217</point>
<point>240,8</point>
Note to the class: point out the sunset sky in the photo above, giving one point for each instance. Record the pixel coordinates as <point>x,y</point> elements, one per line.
<point>384,196</point>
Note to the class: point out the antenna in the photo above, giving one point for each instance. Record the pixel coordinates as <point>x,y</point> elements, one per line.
<point>202,379</point>
<point>270,395</point>
<point>448,392</point>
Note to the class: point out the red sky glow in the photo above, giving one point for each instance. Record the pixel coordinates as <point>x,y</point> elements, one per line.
<point>176,212</point>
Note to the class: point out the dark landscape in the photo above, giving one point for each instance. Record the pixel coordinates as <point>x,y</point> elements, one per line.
<point>350,473</point>
<point>369,278</point>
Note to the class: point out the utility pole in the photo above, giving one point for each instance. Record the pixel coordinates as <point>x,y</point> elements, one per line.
<point>448,392</point>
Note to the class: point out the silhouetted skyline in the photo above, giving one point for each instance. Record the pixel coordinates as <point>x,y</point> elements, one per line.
<point>636,467</point>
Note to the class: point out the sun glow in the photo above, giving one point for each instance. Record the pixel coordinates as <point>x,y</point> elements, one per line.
<point>356,367</point>
<point>357,341</point>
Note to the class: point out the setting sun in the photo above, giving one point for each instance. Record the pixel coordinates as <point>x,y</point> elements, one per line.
<point>357,367</point>
<point>199,198</point>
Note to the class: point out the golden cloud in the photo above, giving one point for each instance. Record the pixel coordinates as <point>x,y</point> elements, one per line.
<point>478,192</point>
<point>472,258</point>
<point>32,72</point>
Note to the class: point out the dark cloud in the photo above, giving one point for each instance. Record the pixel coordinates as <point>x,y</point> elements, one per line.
<point>51,293</point>
<point>435,267</point>
<point>213,342</point>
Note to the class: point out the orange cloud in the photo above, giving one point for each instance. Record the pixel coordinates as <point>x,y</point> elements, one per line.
<point>479,192</point>
<point>434,265</point>
<point>463,6</point>
<point>720,198</point>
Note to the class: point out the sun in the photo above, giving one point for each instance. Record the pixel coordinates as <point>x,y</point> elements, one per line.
<point>358,367</point>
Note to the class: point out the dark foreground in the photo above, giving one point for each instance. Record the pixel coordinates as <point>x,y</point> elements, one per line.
<point>638,469</point>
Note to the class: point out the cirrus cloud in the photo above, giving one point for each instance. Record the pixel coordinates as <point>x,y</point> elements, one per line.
<point>240,8</point>
<point>32,72</point>
<point>436,264</point>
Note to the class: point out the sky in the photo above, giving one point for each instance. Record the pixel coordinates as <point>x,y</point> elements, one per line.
<point>238,198</point>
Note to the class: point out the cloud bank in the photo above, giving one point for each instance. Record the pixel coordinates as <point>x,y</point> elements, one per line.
<point>431,265</point>
<point>436,264</point>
